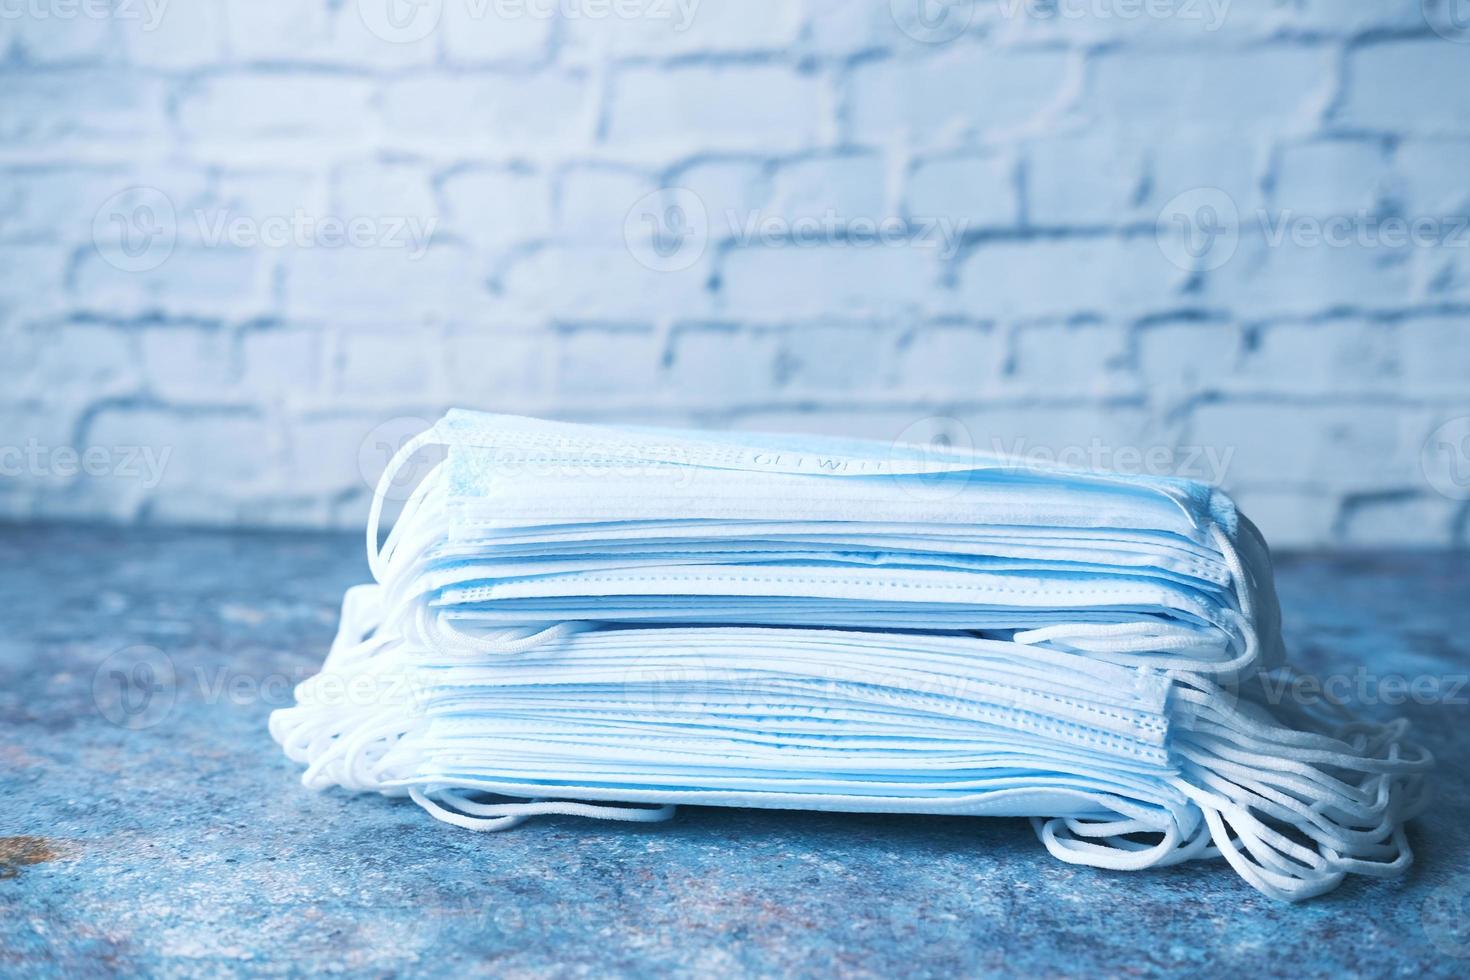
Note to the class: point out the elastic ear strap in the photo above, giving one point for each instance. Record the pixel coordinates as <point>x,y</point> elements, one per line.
<point>1285,817</point>
<point>1243,584</point>
<point>1121,639</point>
<point>1105,844</point>
<point>445,639</point>
<point>1286,887</point>
<point>453,808</point>
<point>362,613</point>
<point>375,511</point>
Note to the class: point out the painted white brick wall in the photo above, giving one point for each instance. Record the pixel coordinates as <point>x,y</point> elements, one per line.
<point>245,244</point>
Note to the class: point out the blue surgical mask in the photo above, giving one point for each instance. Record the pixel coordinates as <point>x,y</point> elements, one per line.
<point>610,622</point>
<point>854,534</point>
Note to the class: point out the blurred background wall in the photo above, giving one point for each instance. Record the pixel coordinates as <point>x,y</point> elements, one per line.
<point>247,246</point>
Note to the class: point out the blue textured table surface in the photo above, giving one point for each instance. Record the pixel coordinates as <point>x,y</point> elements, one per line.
<point>171,836</point>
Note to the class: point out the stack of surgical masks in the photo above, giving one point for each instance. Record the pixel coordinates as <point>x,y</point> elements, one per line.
<point>608,622</point>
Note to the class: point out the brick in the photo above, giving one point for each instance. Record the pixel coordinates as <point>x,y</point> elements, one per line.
<point>138,210</point>
<point>767,107</point>
<point>382,43</point>
<point>661,29</point>
<point>723,363</point>
<point>76,37</point>
<point>269,30</point>
<point>788,281</point>
<point>1076,23</point>
<point>1294,277</point>
<point>1104,276</point>
<point>1440,260</point>
<point>281,365</point>
<point>332,454</point>
<point>1398,521</point>
<point>1082,359</point>
<point>377,367</point>
<point>848,186</point>
<point>1185,22</point>
<point>1322,446</point>
<point>224,454</point>
<point>1099,435</point>
<point>976,191</point>
<point>958,360</point>
<point>840,27</point>
<point>489,369</point>
<point>915,27</point>
<point>1193,159</point>
<point>74,364</point>
<point>1178,359</point>
<point>1261,89</point>
<point>385,190</point>
<point>31,277</point>
<point>62,203</point>
<point>499,110</point>
<point>39,455</point>
<point>1291,518</point>
<point>1085,180</point>
<point>108,105</point>
<point>731,190</point>
<point>594,362</point>
<point>567,282</point>
<point>593,202</point>
<point>837,357</point>
<point>263,194</point>
<point>17,347</point>
<point>162,35</point>
<point>494,208</point>
<point>1417,86</point>
<point>276,104</point>
<point>183,364</point>
<point>1323,16</point>
<point>299,226</point>
<point>1443,441</point>
<point>494,32</point>
<point>377,285</point>
<point>1333,177</point>
<point>1429,179</point>
<point>274,31</point>
<point>954,94</point>
<point>1330,356</point>
<point>1435,354</point>
<point>223,281</point>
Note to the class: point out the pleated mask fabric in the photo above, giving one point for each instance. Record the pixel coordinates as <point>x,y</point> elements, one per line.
<point>612,621</point>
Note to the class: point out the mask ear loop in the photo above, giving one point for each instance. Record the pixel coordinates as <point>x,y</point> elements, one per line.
<point>463,812</point>
<point>1063,838</point>
<point>1243,584</point>
<point>1348,837</point>
<point>1123,640</point>
<point>1124,644</point>
<point>1252,778</point>
<point>445,639</point>
<point>1287,887</point>
<point>418,529</point>
<point>1258,604</point>
<point>376,558</point>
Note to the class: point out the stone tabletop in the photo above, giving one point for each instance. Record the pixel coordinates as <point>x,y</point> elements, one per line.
<point>168,835</point>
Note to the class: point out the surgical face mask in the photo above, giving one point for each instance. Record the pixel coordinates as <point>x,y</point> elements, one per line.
<point>577,620</point>
<point>532,523</point>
